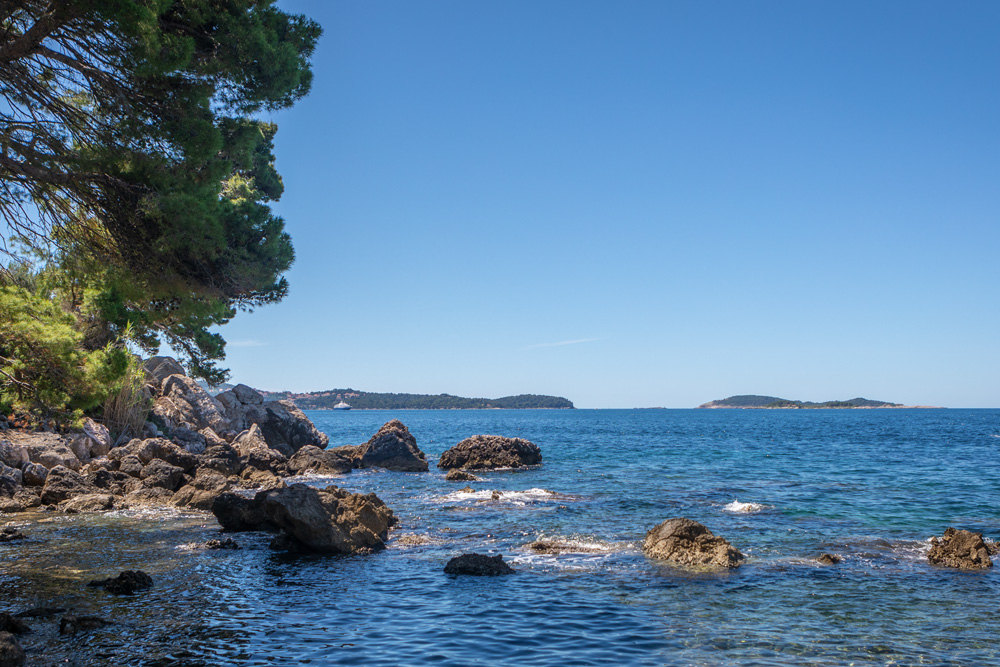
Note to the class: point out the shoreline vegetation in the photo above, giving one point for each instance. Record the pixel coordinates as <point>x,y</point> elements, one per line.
<point>754,402</point>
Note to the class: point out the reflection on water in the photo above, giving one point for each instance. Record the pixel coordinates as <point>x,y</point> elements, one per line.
<point>862,485</point>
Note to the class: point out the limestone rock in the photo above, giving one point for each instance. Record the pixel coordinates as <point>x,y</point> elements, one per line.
<point>148,497</point>
<point>254,450</point>
<point>13,455</point>
<point>321,461</point>
<point>479,565</point>
<point>688,543</point>
<point>34,474</point>
<point>350,453</point>
<point>491,451</point>
<point>131,465</point>
<point>206,486</point>
<point>160,368</point>
<point>99,436</point>
<point>287,429</point>
<point>961,549</point>
<point>191,441</point>
<point>393,448</point>
<point>193,408</point>
<point>160,473</point>
<point>88,502</point>
<point>14,474</point>
<point>223,458</point>
<point>50,450</point>
<point>62,484</point>
<point>247,395</point>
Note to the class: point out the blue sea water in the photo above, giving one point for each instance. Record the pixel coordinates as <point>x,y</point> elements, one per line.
<point>783,486</point>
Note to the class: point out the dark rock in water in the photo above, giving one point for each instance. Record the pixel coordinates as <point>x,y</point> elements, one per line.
<point>63,483</point>
<point>11,653</point>
<point>688,543</point>
<point>461,476</point>
<point>328,520</point>
<point>321,461</point>
<point>479,565</point>
<point>159,473</point>
<point>40,612</point>
<point>126,583</point>
<point>961,549</point>
<point>70,625</point>
<point>393,448</point>
<point>9,623</point>
<point>352,453</point>
<point>202,491</point>
<point>491,451</point>
<point>829,559</point>
<point>10,533</point>
<point>551,548</point>
<point>228,543</point>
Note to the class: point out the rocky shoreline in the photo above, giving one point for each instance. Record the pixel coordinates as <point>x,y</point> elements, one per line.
<point>239,457</point>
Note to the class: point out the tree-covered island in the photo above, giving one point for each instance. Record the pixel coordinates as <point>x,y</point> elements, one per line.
<point>750,401</point>
<point>365,400</point>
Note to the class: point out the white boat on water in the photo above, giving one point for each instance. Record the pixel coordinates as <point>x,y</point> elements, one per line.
<point>341,406</point>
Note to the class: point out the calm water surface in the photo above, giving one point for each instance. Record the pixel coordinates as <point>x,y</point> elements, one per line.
<point>870,485</point>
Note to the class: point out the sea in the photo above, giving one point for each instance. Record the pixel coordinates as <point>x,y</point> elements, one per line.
<point>783,486</point>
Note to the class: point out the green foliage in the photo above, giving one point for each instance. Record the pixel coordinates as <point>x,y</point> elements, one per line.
<point>130,154</point>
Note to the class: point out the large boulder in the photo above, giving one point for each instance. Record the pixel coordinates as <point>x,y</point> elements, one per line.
<point>62,483</point>
<point>11,653</point>
<point>99,436</point>
<point>202,491</point>
<point>223,458</point>
<point>491,451</point>
<point>34,474</point>
<point>330,520</point>
<point>88,502</point>
<point>51,450</point>
<point>961,549</point>
<point>393,448</point>
<point>186,404</point>
<point>254,450</point>
<point>13,455</point>
<point>160,368</point>
<point>689,544</point>
<point>287,429</point>
<point>320,461</point>
<point>161,474</point>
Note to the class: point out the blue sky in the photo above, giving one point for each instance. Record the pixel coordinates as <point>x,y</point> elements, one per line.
<point>641,204</point>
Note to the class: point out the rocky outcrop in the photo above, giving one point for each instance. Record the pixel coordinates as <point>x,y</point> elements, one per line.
<point>393,448</point>
<point>202,491</point>
<point>456,475</point>
<point>89,502</point>
<point>960,549</point>
<point>320,461</point>
<point>479,565</point>
<point>491,451</point>
<point>254,450</point>
<point>126,583</point>
<point>829,559</point>
<point>689,544</point>
<point>184,403</point>
<point>328,520</point>
<point>62,484</point>
<point>287,429</point>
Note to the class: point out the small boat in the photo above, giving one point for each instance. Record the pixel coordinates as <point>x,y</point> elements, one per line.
<point>341,406</point>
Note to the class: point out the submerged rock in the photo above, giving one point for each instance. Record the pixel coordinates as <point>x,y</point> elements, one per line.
<point>479,565</point>
<point>126,583</point>
<point>10,534</point>
<point>327,520</point>
<point>13,624</point>
<point>491,451</point>
<point>393,447</point>
<point>11,653</point>
<point>829,559</point>
<point>228,543</point>
<point>688,543</point>
<point>461,476</point>
<point>961,549</point>
<point>70,625</point>
<point>553,548</point>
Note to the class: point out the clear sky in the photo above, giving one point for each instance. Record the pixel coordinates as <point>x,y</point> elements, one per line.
<point>637,204</point>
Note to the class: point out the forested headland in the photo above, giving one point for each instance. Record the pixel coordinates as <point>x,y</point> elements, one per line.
<point>363,400</point>
<point>760,402</point>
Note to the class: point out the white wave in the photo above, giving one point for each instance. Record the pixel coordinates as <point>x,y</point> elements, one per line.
<point>509,497</point>
<point>745,508</point>
<point>575,545</point>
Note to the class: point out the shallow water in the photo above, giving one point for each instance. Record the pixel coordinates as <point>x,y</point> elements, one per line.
<point>783,486</point>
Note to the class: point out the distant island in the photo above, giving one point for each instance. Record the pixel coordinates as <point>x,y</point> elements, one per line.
<point>773,402</point>
<point>366,400</point>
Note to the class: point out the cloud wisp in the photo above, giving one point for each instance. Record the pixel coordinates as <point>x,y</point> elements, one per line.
<point>246,343</point>
<point>560,343</point>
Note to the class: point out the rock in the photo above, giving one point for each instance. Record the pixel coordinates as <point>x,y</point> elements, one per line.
<point>329,520</point>
<point>321,461</point>
<point>34,474</point>
<point>552,548</point>
<point>11,653</point>
<point>10,534</point>
<point>50,450</point>
<point>13,474</point>
<point>247,395</point>
<point>688,543</point>
<point>829,559</point>
<point>13,624</point>
<point>143,449</point>
<point>228,543</point>
<point>62,484</point>
<point>261,480</point>
<point>70,625</point>
<point>393,448</point>
<point>90,502</point>
<point>212,438</point>
<point>40,612</point>
<point>191,441</point>
<point>202,491</point>
<point>148,497</point>
<point>456,475</point>
<point>160,473</point>
<point>130,465</point>
<point>13,455</point>
<point>479,565</point>
<point>254,451</point>
<point>23,498</point>
<point>100,438</point>
<point>175,455</point>
<point>126,583</point>
<point>350,453</point>
<point>287,429</point>
<point>961,549</point>
<point>80,446</point>
<point>185,404</point>
<point>160,368</point>
<point>467,489</point>
<point>491,451</point>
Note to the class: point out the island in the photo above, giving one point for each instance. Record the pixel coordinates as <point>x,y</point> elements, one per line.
<point>773,402</point>
<point>366,400</point>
